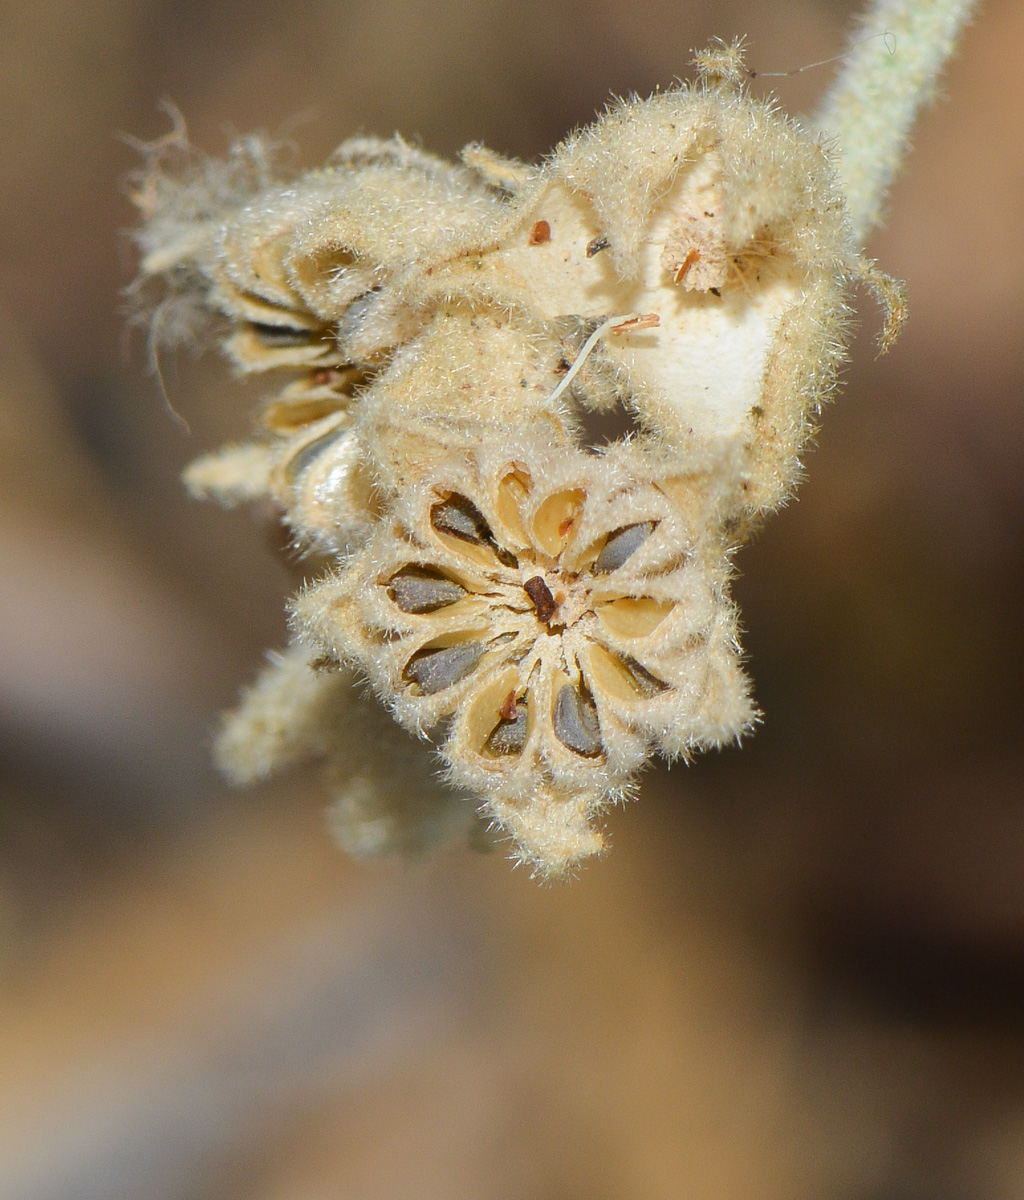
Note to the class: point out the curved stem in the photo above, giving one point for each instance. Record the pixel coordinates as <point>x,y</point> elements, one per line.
<point>870,109</point>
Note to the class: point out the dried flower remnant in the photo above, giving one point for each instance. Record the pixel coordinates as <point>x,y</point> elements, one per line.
<point>562,615</point>
<point>549,615</point>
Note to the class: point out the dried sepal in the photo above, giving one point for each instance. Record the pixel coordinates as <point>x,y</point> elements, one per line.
<point>387,798</point>
<point>232,475</point>
<point>551,833</point>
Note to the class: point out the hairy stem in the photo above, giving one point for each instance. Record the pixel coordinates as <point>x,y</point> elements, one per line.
<point>871,107</point>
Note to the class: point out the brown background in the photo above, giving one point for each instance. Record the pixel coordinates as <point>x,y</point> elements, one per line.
<point>800,973</point>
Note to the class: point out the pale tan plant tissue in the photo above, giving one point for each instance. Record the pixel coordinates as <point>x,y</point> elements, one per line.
<point>545,615</point>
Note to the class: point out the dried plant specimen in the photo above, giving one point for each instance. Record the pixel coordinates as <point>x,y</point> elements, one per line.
<point>547,614</point>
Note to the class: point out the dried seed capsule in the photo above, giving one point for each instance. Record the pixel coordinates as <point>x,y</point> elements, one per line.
<point>621,545</point>
<point>421,590</point>
<point>576,724</point>
<point>438,668</point>
<point>462,519</point>
<point>509,735</point>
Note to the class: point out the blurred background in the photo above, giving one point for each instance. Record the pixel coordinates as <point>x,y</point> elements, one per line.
<point>800,973</point>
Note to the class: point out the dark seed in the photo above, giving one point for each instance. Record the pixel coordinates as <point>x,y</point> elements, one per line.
<point>509,736</point>
<point>462,519</point>
<point>436,669</point>
<point>644,682</point>
<point>597,245</point>
<point>621,544</point>
<point>421,590</point>
<point>281,336</point>
<point>576,724</point>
